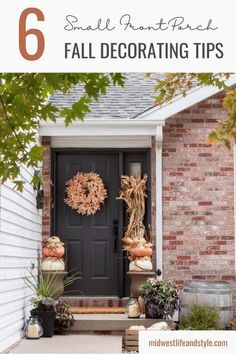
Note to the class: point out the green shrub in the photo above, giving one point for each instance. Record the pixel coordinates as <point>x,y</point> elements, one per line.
<point>201,318</point>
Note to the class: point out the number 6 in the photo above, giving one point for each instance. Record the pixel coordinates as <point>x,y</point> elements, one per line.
<point>23,33</point>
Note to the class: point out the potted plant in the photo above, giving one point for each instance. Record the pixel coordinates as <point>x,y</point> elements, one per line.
<point>45,288</point>
<point>44,309</point>
<point>64,317</point>
<point>161,298</point>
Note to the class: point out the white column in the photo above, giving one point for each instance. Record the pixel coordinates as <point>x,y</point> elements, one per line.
<point>159,200</point>
<point>235,204</point>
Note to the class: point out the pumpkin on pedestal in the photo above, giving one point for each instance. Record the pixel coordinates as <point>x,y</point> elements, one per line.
<point>53,264</point>
<point>53,251</point>
<point>141,250</point>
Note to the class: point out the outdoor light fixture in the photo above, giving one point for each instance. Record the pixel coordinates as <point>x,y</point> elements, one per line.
<point>39,193</point>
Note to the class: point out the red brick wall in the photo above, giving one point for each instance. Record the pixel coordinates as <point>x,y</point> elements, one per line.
<point>198,199</point>
<point>46,214</point>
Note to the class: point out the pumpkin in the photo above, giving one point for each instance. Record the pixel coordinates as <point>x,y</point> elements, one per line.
<point>53,250</point>
<point>46,251</point>
<point>141,264</point>
<point>141,251</point>
<point>160,326</point>
<point>59,250</point>
<point>54,239</point>
<point>52,263</point>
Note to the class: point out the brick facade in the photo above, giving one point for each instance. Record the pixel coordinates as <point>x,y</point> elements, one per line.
<point>198,197</point>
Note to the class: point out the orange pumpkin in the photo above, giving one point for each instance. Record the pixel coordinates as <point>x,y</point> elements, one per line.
<point>46,251</point>
<point>53,250</point>
<point>59,250</point>
<point>141,251</point>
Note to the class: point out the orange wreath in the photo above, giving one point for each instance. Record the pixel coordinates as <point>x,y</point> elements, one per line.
<point>85,193</point>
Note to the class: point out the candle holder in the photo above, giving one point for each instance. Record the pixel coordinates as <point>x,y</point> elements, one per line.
<point>33,328</point>
<point>133,309</point>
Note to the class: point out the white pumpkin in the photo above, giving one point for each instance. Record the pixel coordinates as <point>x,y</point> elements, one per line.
<point>137,328</point>
<point>144,263</point>
<point>54,239</point>
<point>159,326</point>
<point>52,263</point>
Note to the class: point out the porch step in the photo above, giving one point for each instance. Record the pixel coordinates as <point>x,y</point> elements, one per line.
<point>95,301</point>
<point>110,323</point>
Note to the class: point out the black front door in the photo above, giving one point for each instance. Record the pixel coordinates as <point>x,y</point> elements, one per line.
<point>89,240</point>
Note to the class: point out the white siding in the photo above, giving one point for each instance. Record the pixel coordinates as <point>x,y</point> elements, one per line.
<point>20,242</point>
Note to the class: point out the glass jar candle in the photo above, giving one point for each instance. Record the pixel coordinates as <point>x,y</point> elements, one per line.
<point>33,328</point>
<point>133,309</point>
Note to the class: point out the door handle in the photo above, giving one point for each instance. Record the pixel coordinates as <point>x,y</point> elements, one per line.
<point>115,235</point>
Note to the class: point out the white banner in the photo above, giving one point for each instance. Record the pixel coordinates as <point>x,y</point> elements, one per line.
<point>125,36</point>
<point>181,342</point>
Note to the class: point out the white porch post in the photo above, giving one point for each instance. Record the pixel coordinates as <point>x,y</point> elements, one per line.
<point>235,204</point>
<point>159,200</point>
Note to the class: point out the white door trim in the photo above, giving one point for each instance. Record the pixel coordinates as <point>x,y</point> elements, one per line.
<point>115,134</point>
<point>159,218</point>
<point>235,203</point>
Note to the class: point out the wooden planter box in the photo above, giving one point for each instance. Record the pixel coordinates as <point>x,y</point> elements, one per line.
<point>131,340</point>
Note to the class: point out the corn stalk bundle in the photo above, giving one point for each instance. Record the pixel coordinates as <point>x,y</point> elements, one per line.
<point>133,192</point>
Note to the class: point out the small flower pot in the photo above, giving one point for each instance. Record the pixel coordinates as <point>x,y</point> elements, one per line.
<point>48,321</point>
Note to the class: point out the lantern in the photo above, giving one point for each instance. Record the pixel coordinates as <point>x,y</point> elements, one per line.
<point>33,328</point>
<point>133,309</point>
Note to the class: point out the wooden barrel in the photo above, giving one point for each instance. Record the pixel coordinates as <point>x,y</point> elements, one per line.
<point>214,294</point>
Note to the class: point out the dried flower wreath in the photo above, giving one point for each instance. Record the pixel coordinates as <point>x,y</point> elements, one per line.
<point>85,193</point>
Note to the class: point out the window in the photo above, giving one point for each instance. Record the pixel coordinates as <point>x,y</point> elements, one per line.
<point>135,168</point>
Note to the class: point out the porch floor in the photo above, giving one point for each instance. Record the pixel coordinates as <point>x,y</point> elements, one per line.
<point>73,344</point>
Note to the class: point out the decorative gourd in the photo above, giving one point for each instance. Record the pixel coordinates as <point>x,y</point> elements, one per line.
<point>46,251</point>
<point>141,251</point>
<point>141,264</point>
<point>59,250</point>
<point>160,326</point>
<point>54,250</point>
<point>52,263</point>
<point>54,239</point>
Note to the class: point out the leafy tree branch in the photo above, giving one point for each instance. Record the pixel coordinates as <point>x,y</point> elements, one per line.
<point>24,102</point>
<point>175,84</point>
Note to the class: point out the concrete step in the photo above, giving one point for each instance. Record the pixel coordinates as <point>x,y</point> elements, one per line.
<point>108,323</point>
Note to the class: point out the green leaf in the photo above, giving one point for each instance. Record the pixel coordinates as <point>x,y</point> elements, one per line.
<point>36,153</point>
